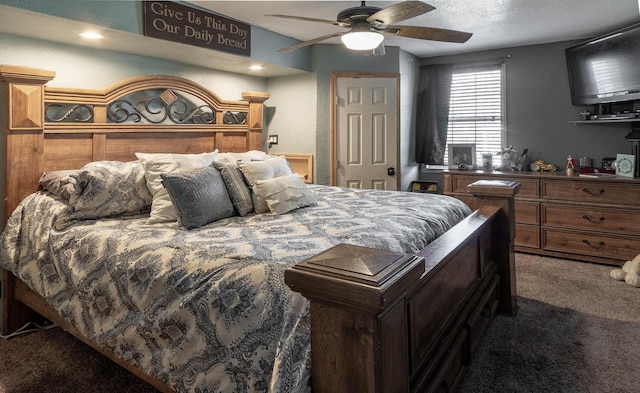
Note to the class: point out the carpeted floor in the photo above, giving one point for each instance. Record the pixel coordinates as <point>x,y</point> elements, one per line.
<point>576,331</point>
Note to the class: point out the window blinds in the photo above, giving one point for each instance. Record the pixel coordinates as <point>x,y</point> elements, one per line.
<point>476,111</point>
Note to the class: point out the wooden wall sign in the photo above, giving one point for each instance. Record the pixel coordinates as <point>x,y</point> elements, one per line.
<point>179,23</point>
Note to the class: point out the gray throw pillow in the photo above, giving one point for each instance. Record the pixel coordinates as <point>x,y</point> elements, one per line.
<point>237,187</point>
<point>199,196</point>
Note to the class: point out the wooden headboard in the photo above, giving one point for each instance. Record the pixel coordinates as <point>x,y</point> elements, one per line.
<point>50,128</point>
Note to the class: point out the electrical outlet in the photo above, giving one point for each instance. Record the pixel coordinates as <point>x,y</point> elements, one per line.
<point>273,139</point>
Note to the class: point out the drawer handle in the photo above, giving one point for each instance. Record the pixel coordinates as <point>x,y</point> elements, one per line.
<point>593,220</point>
<point>597,246</point>
<point>593,193</point>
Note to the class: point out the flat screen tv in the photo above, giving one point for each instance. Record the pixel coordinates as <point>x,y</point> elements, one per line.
<point>606,69</point>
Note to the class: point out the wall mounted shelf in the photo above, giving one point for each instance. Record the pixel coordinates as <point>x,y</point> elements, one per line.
<point>604,121</point>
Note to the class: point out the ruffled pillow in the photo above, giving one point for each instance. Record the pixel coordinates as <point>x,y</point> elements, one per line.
<point>155,164</point>
<point>263,170</point>
<point>285,193</point>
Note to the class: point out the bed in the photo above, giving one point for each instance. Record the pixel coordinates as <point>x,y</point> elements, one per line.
<point>355,290</point>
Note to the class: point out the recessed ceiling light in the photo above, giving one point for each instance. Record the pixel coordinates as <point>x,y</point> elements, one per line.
<point>256,67</point>
<point>91,35</point>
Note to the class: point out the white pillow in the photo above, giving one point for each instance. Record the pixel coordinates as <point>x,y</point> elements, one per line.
<point>285,193</point>
<point>155,164</point>
<point>263,170</point>
<point>251,155</point>
<point>258,155</point>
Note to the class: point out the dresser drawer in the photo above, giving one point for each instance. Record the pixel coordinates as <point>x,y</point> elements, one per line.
<point>591,218</point>
<point>527,236</point>
<point>527,212</point>
<point>591,191</point>
<point>595,244</point>
<point>529,188</point>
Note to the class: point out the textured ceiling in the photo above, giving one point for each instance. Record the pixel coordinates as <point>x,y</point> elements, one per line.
<point>494,23</point>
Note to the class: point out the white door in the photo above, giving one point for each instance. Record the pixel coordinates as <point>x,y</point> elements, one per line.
<point>367,132</point>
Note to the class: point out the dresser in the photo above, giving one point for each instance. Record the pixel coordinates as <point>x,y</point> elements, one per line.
<point>567,215</point>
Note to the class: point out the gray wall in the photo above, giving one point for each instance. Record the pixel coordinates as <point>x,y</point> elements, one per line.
<point>335,58</point>
<point>127,16</point>
<point>409,77</point>
<point>291,113</point>
<point>539,109</point>
<point>89,68</point>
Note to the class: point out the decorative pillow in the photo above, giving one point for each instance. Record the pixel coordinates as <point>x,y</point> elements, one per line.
<point>264,170</point>
<point>285,193</point>
<point>107,189</point>
<point>238,189</point>
<point>199,196</point>
<point>251,155</point>
<point>155,164</point>
<point>258,155</point>
<point>60,183</point>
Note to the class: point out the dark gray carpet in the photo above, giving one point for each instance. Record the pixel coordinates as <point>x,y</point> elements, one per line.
<point>577,330</point>
<point>53,361</point>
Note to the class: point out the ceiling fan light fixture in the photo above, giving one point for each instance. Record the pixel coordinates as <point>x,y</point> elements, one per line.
<point>368,23</point>
<point>362,38</point>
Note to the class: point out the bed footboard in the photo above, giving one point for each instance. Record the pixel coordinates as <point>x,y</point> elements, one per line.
<point>388,322</point>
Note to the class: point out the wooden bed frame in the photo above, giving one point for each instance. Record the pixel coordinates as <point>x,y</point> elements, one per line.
<point>380,321</point>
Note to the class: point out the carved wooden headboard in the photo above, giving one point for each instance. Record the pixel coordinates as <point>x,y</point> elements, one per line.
<point>49,128</point>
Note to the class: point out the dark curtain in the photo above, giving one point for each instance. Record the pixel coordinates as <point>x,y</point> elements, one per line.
<point>433,113</point>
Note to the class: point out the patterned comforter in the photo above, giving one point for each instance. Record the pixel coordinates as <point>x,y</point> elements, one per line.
<point>207,309</point>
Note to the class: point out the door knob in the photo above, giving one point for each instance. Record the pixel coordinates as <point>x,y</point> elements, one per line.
<point>391,171</point>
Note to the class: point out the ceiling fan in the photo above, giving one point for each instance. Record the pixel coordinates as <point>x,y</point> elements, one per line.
<point>367,24</point>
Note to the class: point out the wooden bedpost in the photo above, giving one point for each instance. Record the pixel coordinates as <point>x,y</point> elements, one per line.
<point>498,193</point>
<point>358,318</point>
<point>22,145</point>
<point>22,130</point>
<point>256,117</point>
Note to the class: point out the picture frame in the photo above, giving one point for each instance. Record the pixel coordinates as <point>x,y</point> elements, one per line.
<point>462,156</point>
<point>625,165</point>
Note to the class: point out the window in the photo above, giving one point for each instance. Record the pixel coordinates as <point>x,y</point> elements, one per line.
<point>476,110</point>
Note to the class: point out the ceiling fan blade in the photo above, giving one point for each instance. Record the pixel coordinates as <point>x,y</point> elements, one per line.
<point>310,42</point>
<point>332,22</point>
<point>428,33</point>
<point>399,12</point>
